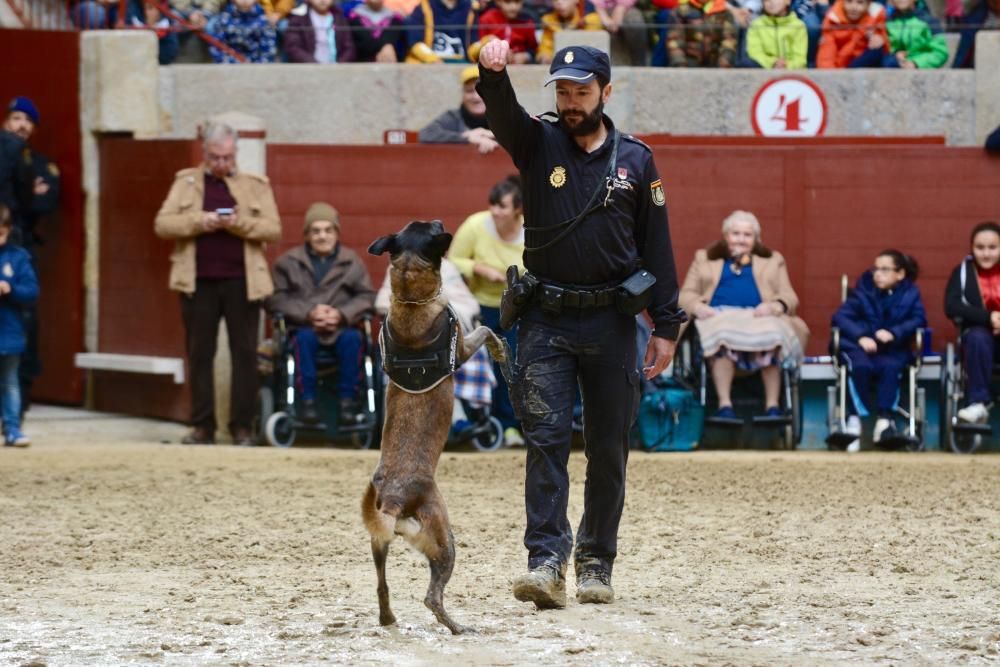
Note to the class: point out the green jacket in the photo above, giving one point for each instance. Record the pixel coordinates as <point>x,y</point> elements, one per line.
<point>913,35</point>
<point>773,37</point>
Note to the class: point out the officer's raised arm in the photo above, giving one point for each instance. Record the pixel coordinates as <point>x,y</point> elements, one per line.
<point>513,128</point>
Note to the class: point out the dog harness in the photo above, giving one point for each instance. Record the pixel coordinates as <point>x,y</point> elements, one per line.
<point>416,370</point>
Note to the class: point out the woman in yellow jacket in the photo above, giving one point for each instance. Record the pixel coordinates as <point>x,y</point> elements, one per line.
<point>484,246</point>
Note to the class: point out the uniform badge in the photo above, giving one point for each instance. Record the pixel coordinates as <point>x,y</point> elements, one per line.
<point>53,169</point>
<point>557,178</point>
<point>8,270</point>
<point>568,58</point>
<point>622,173</point>
<point>656,190</point>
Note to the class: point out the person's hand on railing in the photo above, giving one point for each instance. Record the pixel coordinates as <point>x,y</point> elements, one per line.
<point>197,20</point>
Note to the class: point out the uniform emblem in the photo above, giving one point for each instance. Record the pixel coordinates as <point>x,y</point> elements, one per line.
<point>557,178</point>
<point>8,270</point>
<point>656,190</point>
<point>622,173</point>
<point>53,169</point>
<point>568,58</point>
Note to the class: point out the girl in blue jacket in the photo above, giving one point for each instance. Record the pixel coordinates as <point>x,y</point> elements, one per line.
<point>18,288</point>
<point>877,324</point>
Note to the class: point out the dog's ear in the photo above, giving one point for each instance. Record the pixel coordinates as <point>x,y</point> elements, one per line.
<point>440,239</point>
<point>383,244</point>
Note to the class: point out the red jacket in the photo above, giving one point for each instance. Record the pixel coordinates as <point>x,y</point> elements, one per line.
<point>842,42</point>
<point>520,32</point>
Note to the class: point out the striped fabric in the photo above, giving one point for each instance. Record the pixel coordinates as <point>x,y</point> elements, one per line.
<point>737,329</point>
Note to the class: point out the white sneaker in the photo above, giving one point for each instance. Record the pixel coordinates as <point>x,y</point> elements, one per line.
<point>881,426</point>
<point>975,413</point>
<point>853,426</point>
<point>512,437</point>
<point>854,446</point>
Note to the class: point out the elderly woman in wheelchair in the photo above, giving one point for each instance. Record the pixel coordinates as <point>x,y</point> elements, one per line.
<point>743,305</point>
<point>323,291</point>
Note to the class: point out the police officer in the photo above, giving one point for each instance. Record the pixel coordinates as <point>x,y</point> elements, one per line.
<point>37,196</point>
<point>596,236</point>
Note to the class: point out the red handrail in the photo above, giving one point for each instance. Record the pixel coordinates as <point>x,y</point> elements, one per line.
<point>167,11</point>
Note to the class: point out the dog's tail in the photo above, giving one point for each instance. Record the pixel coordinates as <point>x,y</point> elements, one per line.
<point>380,519</point>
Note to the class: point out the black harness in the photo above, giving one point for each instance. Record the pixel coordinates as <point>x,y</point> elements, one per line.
<point>419,369</point>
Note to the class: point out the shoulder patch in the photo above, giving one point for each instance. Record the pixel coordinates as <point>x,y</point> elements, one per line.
<point>656,192</point>
<point>631,139</point>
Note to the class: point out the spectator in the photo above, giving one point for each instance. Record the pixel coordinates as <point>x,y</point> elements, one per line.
<point>626,25</point>
<point>277,11</point>
<point>993,141</point>
<point>440,31</point>
<point>220,218</point>
<point>377,32</point>
<point>663,17</point>
<point>149,17</point>
<point>877,324</point>
<point>744,307</point>
<point>484,246</point>
<point>984,16</point>
<point>198,12</point>
<point>318,33</point>
<point>812,13</point>
<point>853,36</point>
<point>39,198</point>
<point>94,14</point>
<point>507,20</point>
<point>323,290</point>
<point>18,288</point>
<point>243,27</point>
<point>704,34</point>
<point>973,297</point>
<point>913,44</point>
<point>777,40</point>
<point>565,15</point>
<point>467,123</point>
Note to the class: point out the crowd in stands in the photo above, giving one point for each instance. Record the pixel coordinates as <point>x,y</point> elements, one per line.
<point>769,34</point>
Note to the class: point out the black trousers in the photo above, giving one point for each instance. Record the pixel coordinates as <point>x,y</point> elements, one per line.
<point>211,301</point>
<point>593,350</point>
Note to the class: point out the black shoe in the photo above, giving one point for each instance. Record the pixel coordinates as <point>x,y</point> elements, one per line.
<point>349,413</point>
<point>308,413</point>
<point>199,436</point>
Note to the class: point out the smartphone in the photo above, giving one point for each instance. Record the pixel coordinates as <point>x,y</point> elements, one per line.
<point>224,211</point>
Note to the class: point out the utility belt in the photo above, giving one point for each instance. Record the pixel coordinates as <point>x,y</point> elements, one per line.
<point>630,297</point>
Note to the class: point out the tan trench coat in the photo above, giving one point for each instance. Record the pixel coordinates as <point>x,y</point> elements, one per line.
<point>257,223</point>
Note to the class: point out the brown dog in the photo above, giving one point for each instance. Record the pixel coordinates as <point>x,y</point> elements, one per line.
<point>421,345</point>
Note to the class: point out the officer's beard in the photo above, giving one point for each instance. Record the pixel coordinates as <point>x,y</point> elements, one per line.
<point>586,125</point>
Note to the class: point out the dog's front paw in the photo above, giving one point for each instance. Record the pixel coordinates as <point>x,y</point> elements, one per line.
<point>387,619</point>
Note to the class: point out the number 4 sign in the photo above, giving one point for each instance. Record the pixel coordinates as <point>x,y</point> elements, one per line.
<point>790,106</point>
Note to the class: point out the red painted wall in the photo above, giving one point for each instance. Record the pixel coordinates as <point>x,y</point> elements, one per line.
<point>829,209</point>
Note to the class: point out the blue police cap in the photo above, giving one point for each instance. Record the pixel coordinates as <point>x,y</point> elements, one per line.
<point>579,64</point>
<point>24,105</point>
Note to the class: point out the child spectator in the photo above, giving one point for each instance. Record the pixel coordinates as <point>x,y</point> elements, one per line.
<point>777,40</point>
<point>704,34</point>
<point>626,25</point>
<point>277,11</point>
<point>319,33</point>
<point>877,324</point>
<point>151,18</point>
<point>853,36</point>
<point>377,33</point>
<point>565,15</point>
<point>18,288</point>
<point>913,44</point>
<point>243,27</point>
<point>506,20</point>
<point>663,17</point>
<point>440,31</point>
<point>812,13</point>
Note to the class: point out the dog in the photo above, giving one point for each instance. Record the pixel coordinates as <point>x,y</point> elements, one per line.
<point>402,497</point>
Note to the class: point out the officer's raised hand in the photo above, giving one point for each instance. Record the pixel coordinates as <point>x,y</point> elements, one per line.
<point>494,55</point>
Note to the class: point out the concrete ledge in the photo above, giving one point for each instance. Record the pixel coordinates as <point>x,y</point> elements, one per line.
<point>132,363</point>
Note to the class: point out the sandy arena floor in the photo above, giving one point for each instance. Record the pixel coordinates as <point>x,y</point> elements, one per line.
<point>117,549</point>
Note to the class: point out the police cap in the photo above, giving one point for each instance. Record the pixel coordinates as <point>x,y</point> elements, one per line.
<point>579,64</point>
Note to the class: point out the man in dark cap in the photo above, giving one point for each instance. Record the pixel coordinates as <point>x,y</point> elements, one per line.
<point>597,252</point>
<point>31,192</point>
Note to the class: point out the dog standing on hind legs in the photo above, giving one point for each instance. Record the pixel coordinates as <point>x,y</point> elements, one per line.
<point>422,344</point>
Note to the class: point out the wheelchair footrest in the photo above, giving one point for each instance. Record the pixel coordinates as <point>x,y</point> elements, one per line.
<point>899,442</point>
<point>966,427</point>
<point>840,440</point>
<point>726,422</point>
<point>775,420</point>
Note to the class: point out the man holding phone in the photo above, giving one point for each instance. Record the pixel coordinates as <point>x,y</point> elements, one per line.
<point>220,219</point>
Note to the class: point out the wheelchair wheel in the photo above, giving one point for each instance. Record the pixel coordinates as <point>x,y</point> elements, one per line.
<point>964,443</point>
<point>279,430</point>
<point>491,439</point>
<point>364,439</point>
<point>265,408</point>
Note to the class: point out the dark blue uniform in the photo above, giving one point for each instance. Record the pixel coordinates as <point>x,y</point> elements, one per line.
<point>16,177</point>
<point>587,346</point>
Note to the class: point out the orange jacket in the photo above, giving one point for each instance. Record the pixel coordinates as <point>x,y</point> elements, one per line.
<point>842,42</point>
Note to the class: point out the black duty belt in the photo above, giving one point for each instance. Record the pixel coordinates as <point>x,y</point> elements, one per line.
<point>554,297</point>
<point>419,369</point>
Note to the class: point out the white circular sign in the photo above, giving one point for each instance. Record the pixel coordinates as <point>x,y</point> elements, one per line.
<point>791,106</point>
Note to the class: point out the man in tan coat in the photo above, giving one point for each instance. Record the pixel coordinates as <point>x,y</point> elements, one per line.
<point>220,219</point>
<point>323,290</point>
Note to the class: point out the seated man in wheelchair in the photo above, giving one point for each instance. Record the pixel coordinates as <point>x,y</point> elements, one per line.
<point>878,323</point>
<point>322,289</point>
<point>972,300</point>
<point>743,305</point>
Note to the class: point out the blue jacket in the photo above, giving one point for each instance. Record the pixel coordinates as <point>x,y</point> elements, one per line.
<point>15,268</point>
<point>869,309</point>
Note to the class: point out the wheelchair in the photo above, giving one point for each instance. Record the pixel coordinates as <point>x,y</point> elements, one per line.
<point>277,421</point>
<point>691,370</point>
<point>914,415</point>
<point>474,425</point>
<point>957,436</point>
